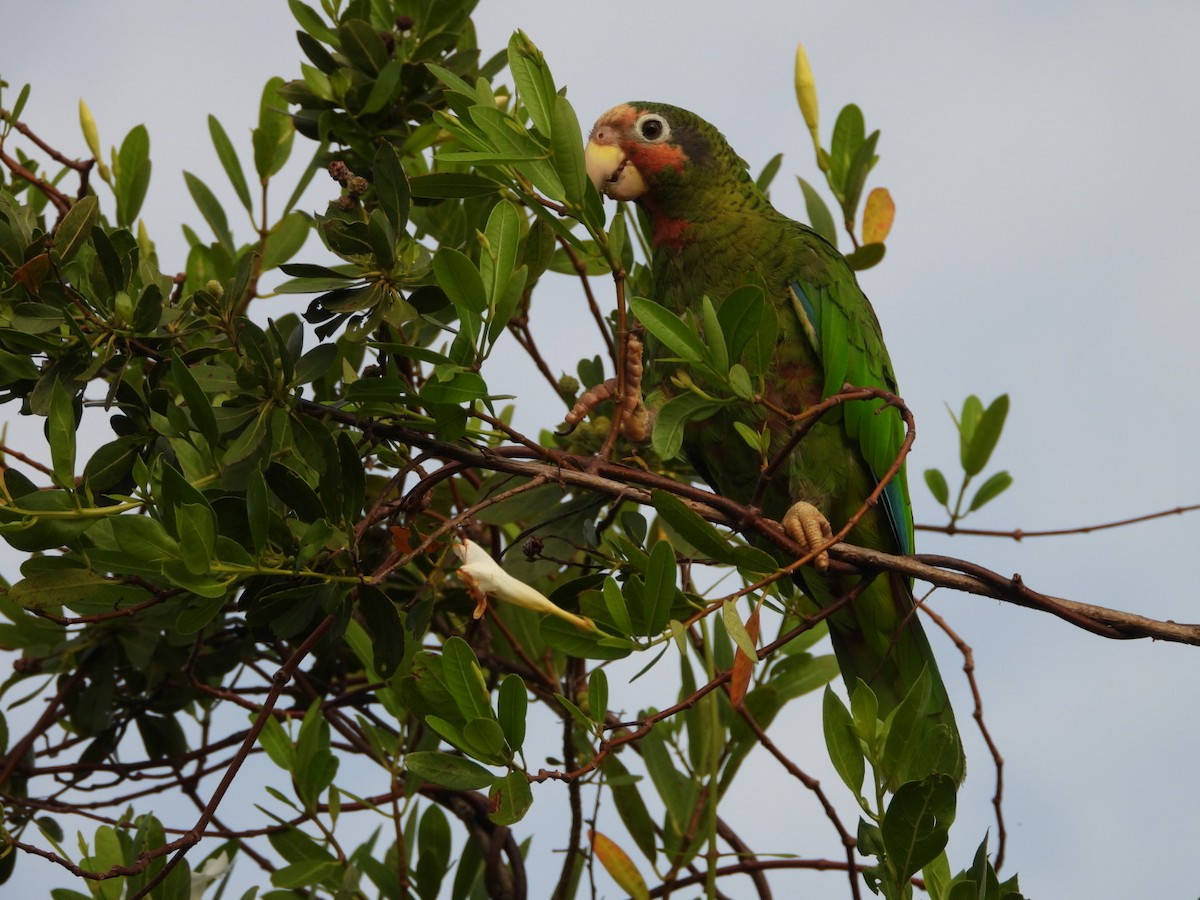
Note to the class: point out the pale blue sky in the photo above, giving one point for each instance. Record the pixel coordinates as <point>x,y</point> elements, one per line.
<point>1042,157</point>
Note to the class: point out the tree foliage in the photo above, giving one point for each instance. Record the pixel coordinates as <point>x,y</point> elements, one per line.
<point>285,548</point>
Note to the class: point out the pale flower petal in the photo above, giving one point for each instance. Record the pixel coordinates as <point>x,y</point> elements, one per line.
<point>483,576</point>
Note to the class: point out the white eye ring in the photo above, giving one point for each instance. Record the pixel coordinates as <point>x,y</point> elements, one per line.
<point>652,128</point>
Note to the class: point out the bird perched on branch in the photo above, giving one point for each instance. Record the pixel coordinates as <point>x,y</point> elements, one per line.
<point>712,231</point>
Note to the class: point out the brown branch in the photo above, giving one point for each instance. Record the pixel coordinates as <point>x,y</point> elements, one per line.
<point>627,483</point>
<point>278,682</point>
<point>1019,534</point>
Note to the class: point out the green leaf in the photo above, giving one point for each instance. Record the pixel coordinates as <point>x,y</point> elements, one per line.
<point>498,254</point>
<point>461,281</point>
<point>534,82</point>
<point>362,45</point>
<point>384,626</point>
<point>749,324</point>
<point>842,743</point>
<point>448,770</point>
<point>197,536</point>
<point>866,256</point>
<point>566,637</point>
<point>660,587</point>
<point>75,227</point>
<point>677,335</point>
<point>691,526</point>
<point>768,173</point>
<point>58,587</point>
<point>285,239</point>
<point>509,798</point>
<point>567,157</point>
<point>906,727</point>
<point>451,185</point>
<point>316,765</point>
<point>61,434</point>
<point>308,873</point>
<point>384,90</point>
<point>849,132</point>
<point>916,824</point>
<point>463,388</point>
<point>200,408</point>
<point>991,489</point>
<point>464,679</point>
<point>972,412</point>
<point>211,209</point>
<point>133,175</point>
<point>230,162</point>
<point>937,485</point>
<point>598,694</point>
<point>674,417</point>
<point>511,704</point>
<point>714,337</point>
<point>618,610</point>
<point>819,215</point>
<point>985,436</point>
<point>391,186</point>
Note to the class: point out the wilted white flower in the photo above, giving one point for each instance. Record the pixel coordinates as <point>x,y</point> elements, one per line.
<point>483,577</point>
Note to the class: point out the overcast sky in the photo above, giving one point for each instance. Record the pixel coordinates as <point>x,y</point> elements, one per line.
<point>1043,159</point>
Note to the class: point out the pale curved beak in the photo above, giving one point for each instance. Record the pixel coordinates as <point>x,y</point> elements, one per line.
<point>612,173</point>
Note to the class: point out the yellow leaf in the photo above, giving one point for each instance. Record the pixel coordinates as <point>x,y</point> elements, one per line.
<point>619,866</point>
<point>878,214</point>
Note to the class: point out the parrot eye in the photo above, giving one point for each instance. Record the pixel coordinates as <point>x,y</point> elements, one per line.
<point>653,128</point>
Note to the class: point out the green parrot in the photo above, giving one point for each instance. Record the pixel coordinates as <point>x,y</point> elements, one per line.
<point>712,231</point>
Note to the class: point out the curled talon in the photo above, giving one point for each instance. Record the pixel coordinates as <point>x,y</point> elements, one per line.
<point>805,525</point>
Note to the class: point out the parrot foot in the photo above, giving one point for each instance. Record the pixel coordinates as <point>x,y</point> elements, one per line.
<point>806,525</point>
<point>635,421</point>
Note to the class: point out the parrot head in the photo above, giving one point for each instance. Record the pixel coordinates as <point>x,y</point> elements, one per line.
<point>674,164</point>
